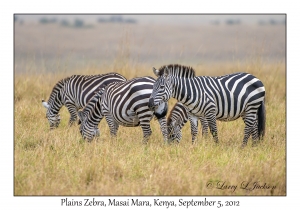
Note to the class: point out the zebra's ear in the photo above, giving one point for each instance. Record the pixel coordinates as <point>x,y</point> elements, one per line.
<point>156,72</point>
<point>45,104</point>
<point>81,116</point>
<point>166,72</point>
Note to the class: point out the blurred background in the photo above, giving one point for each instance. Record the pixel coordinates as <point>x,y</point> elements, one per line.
<point>71,43</point>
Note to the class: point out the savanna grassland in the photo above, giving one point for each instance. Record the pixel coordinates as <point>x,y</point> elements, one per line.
<point>60,162</point>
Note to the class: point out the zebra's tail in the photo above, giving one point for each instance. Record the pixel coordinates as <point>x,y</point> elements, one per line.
<point>261,120</point>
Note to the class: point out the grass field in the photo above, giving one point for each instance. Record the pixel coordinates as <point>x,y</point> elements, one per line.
<point>60,162</point>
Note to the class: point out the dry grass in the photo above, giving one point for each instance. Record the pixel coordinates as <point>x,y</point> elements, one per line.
<point>60,162</point>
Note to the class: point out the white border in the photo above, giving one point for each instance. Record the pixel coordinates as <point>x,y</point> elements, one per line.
<point>8,201</point>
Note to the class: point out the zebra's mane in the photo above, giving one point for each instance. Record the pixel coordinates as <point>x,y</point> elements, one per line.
<point>100,75</point>
<point>178,70</point>
<point>57,87</point>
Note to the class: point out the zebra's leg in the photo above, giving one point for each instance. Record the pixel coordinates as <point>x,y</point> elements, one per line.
<point>194,127</point>
<point>204,125</point>
<point>145,125</point>
<point>73,113</point>
<point>113,125</point>
<point>144,121</point>
<point>163,127</point>
<point>254,133</point>
<point>146,130</point>
<point>212,124</point>
<point>250,121</point>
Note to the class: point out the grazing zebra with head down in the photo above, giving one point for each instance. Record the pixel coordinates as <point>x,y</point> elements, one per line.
<point>224,98</point>
<point>122,103</point>
<point>179,115</point>
<point>74,92</point>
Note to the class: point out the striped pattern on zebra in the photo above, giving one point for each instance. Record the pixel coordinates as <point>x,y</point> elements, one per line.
<point>74,92</point>
<point>122,103</point>
<point>179,115</point>
<point>224,98</point>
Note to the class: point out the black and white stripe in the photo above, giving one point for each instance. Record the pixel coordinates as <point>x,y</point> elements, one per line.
<point>74,92</point>
<point>122,103</point>
<point>224,98</point>
<point>179,115</point>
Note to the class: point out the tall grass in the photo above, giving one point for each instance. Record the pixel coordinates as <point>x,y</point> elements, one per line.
<point>60,162</point>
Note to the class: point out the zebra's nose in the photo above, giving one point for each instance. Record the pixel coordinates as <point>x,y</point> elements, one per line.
<point>151,104</point>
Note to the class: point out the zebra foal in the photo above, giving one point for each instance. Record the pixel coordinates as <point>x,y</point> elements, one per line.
<point>74,92</point>
<point>225,98</point>
<point>179,115</point>
<point>122,103</point>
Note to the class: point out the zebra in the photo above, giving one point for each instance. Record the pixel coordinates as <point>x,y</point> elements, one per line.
<point>74,92</point>
<point>225,98</point>
<point>123,103</point>
<point>179,115</point>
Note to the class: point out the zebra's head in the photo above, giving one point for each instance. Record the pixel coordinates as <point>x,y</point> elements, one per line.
<point>162,88</point>
<point>53,118</point>
<point>174,131</point>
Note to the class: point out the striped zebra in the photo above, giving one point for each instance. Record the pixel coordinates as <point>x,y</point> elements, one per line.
<point>74,92</point>
<point>225,98</point>
<point>179,115</point>
<point>122,103</point>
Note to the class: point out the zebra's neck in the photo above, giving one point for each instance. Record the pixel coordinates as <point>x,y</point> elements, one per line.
<point>93,110</point>
<point>183,90</point>
<point>55,102</point>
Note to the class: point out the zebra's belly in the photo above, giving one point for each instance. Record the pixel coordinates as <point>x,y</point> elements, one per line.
<point>128,124</point>
<point>228,118</point>
<point>224,117</point>
<point>129,121</point>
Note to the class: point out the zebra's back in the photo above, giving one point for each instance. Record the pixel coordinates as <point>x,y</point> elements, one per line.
<point>233,93</point>
<point>80,88</point>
